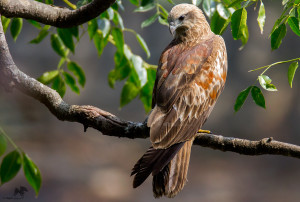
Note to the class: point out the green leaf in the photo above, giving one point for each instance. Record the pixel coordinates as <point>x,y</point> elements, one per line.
<point>235,3</point>
<point>218,24</point>
<point>149,21</point>
<point>135,2</point>
<point>104,26</point>
<point>5,22</point>
<point>118,38</point>
<point>71,82</point>
<point>32,174</point>
<point>258,97</point>
<point>171,2</point>
<point>10,166</point>
<point>122,66</point>
<point>16,27</point>
<point>61,62</point>
<point>110,13</point>
<point>143,44</point>
<point>58,45</point>
<point>261,18</point>
<point>145,8</point>
<point>100,42</point>
<point>265,82</point>
<point>196,2</point>
<point>66,37</point>
<point>277,36</point>
<point>49,2</point>
<point>164,13</point>
<point>241,98</point>
<point>137,62</point>
<point>118,20</point>
<point>284,2</point>
<point>35,23</point>
<point>146,91</point>
<point>294,25</point>
<point>59,85</point>
<point>163,21</point>
<point>239,24</point>
<point>291,72</point>
<point>146,2</point>
<point>48,77</point>
<point>223,12</point>
<point>77,71</point>
<point>209,7</point>
<point>129,92</point>
<point>2,144</point>
<point>92,28</point>
<point>43,33</point>
<point>277,23</point>
<point>74,31</point>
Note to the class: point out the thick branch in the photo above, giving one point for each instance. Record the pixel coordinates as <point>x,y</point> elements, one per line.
<point>52,15</point>
<point>11,77</point>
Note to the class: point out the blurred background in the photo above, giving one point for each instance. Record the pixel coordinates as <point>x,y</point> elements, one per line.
<point>78,166</point>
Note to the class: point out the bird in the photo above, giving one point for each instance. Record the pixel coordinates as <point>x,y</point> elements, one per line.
<point>191,75</point>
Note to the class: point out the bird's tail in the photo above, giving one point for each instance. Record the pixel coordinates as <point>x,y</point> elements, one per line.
<point>168,166</point>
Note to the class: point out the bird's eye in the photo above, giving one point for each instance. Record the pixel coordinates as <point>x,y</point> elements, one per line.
<point>181,17</point>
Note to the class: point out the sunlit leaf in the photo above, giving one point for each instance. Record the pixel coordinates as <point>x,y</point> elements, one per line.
<point>5,22</point>
<point>277,36</point>
<point>196,2</point>
<point>59,85</point>
<point>104,26</point>
<point>294,25</point>
<point>143,44</point>
<point>135,2</point>
<point>71,82</point>
<point>277,23</point>
<point>223,12</point>
<point>209,7</point>
<point>239,25</point>
<point>16,27</point>
<point>48,77</point>
<point>137,62</point>
<point>110,13</point>
<point>149,21</point>
<point>118,20</point>
<point>241,99</point>
<point>58,45</point>
<point>10,166</point>
<point>261,18</point>
<point>77,71</point>
<point>32,173</point>
<point>258,97</point>
<point>146,91</point>
<point>291,72</point>
<point>265,82</point>
<point>218,24</point>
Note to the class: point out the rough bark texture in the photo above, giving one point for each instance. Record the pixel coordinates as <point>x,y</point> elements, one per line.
<point>12,78</point>
<point>52,15</point>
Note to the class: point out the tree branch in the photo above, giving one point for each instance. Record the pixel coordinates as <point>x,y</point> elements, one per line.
<point>52,15</point>
<point>11,77</point>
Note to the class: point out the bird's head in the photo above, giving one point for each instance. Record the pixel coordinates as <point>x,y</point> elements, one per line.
<point>187,19</point>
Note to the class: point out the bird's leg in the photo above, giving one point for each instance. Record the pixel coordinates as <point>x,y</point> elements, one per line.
<point>204,131</point>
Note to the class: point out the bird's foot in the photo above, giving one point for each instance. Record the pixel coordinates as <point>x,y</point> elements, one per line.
<point>204,131</point>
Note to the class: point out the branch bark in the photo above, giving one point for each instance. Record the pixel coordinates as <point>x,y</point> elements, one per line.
<point>11,77</point>
<point>52,15</point>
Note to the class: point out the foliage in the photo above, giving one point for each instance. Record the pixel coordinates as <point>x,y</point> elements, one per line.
<point>14,160</point>
<point>138,75</point>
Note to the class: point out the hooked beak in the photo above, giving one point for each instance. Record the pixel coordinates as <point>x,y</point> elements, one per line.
<point>172,28</point>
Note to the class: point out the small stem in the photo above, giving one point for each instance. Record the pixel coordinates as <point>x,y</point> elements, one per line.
<point>276,63</point>
<point>9,139</point>
<point>70,4</point>
<point>129,30</point>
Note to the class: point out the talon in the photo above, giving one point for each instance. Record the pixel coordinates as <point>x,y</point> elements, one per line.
<point>204,131</point>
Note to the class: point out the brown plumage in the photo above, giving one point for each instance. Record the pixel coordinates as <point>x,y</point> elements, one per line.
<point>190,77</point>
